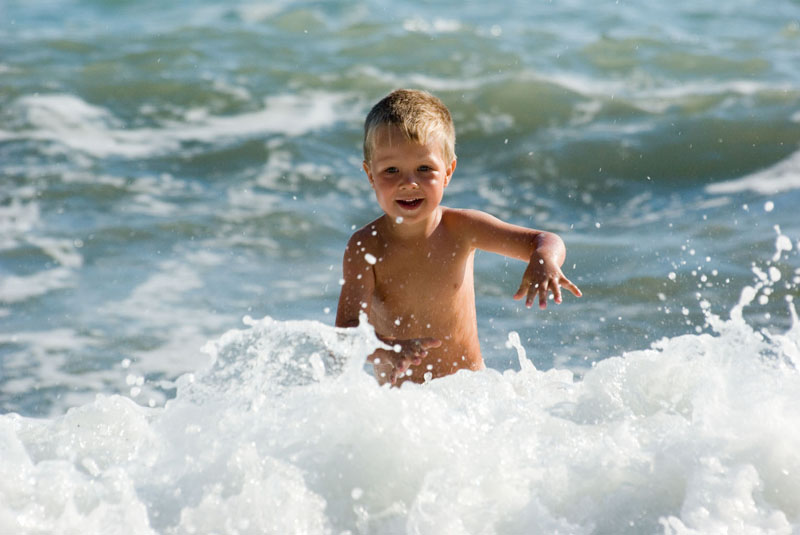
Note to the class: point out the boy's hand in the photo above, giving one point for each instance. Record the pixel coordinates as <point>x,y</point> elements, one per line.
<point>541,276</point>
<point>406,353</point>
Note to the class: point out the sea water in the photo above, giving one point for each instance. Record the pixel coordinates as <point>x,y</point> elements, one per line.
<point>168,170</point>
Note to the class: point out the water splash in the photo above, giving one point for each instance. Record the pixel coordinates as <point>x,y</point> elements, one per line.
<point>283,431</point>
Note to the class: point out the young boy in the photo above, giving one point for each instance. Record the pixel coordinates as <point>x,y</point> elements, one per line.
<point>411,270</point>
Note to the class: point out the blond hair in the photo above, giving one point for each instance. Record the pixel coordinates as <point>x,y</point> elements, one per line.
<point>418,114</point>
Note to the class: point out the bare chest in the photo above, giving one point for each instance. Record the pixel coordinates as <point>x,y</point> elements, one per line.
<point>422,281</point>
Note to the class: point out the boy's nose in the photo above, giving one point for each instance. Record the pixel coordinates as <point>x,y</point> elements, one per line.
<point>409,181</point>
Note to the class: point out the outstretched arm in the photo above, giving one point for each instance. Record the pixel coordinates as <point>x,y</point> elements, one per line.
<point>544,252</point>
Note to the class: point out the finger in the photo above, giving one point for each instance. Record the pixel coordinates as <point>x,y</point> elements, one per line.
<point>556,292</point>
<point>411,361</point>
<point>543,296</point>
<point>429,343</point>
<point>416,357</point>
<point>523,289</point>
<point>532,291</point>
<point>566,283</point>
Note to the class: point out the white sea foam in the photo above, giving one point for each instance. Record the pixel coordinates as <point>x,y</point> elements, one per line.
<point>258,12</point>
<point>87,177</point>
<point>62,251</point>
<point>433,27</point>
<point>640,91</point>
<point>78,125</point>
<point>17,218</point>
<point>433,83</point>
<point>284,433</point>
<point>783,176</point>
<point>38,359</point>
<point>163,305</point>
<point>14,289</point>
<point>282,171</point>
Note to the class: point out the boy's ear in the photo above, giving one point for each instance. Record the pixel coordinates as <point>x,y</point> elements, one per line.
<point>449,172</point>
<point>367,170</point>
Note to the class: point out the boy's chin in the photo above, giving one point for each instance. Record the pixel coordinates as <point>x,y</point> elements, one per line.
<point>409,214</point>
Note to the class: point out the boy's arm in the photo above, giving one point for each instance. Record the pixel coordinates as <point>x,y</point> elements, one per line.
<point>359,283</point>
<point>544,251</point>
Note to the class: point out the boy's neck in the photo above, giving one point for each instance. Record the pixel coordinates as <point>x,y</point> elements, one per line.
<point>416,230</point>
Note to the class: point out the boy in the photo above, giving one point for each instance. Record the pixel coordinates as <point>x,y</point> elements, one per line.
<point>411,270</point>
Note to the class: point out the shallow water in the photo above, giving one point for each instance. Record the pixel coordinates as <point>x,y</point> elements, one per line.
<point>168,170</point>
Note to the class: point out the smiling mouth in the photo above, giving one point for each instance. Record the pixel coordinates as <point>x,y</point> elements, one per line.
<point>409,204</point>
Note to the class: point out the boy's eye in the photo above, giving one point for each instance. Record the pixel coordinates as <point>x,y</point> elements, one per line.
<point>425,168</point>
<point>391,170</point>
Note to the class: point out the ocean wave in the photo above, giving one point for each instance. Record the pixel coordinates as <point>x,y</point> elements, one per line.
<point>69,121</point>
<point>283,430</point>
<point>781,177</point>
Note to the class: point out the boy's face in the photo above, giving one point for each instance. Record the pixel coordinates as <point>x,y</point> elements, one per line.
<point>408,178</point>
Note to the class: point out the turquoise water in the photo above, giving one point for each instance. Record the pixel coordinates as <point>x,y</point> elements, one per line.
<point>166,170</point>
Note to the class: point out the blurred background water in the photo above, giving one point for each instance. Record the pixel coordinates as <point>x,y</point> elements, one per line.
<point>167,168</point>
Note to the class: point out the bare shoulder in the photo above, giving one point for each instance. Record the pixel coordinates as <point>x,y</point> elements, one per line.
<point>466,222</point>
<point>465,216</point>
<point>364,240</point>
<point>461,225</point>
